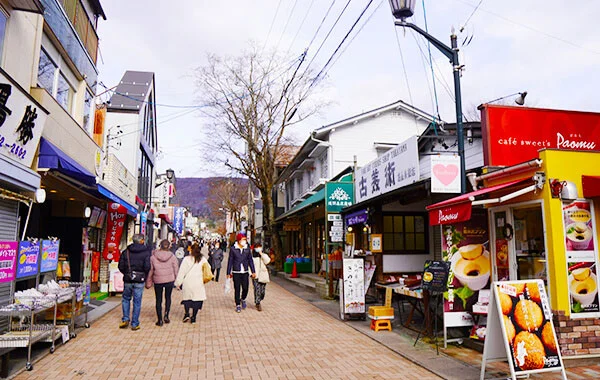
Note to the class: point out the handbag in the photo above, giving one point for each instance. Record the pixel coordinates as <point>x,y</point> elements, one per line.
<point>207,275</point>
<point>135,275</point>
<point>263,276</point>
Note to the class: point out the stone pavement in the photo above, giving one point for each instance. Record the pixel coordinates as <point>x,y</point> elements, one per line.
<point>290,339</point>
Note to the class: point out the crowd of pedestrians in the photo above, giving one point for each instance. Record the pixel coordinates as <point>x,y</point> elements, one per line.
<point>181,265</point>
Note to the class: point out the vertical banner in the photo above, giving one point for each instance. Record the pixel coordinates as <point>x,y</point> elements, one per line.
<point>117,214</point>
<point>8,255</point>
<point>445,174</point>
<point>143,222</point>
<point>354,286</point>
<point>470,268</point>
<point>582,257</point>
<point>27,264</point>
<point>49,260</point>
<point>178,220</point>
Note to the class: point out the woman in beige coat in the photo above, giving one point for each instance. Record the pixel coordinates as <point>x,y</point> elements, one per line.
<point>261,260</point>
<point>191,278</point>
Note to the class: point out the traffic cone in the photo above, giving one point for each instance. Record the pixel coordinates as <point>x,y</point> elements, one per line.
<point>294,270</point>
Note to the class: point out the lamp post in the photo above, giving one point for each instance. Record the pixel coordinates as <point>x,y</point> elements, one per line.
<point>402,9</point>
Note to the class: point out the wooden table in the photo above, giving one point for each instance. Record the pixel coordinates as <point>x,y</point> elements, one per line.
<point>418,300</point>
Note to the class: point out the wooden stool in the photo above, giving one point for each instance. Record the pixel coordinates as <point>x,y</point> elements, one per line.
<point>381,324</point>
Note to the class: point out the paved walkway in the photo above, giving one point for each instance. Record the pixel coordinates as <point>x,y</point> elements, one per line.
<point>290,339</point>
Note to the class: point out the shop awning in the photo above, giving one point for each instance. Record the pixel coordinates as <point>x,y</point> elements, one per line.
<point>458,209</point>
<point>131,210</point>
<point>52,158</point>
<point>166,218</point>
<point>591,186</point>
<point>317,197</point>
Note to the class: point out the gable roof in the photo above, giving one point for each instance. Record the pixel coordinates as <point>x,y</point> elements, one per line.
<point>131,93</point>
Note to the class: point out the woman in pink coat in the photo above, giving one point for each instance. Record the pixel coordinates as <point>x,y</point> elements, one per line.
<point>163,274</point>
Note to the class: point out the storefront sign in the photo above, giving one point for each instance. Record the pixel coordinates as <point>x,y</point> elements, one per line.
<point>582,257</point>
<point>27,259</point>
<point>445,174</point>
<point>292,225</point>
<point>358,217</point>
<point>178,220</point>
<point>456,213</point>
<point>435,275</point>
<point>470,268</point>
<point>8,255</point>
<point>163,196</point>
<point>117,214</point>
<point>512,135</point>
<point>22,120</point>
<point>49,260</point>
<point>520,329</point>
<point>338,196</point>
<point>396,168</point>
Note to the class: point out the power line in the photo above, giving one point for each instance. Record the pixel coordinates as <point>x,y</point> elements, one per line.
<point>405,74</point>
<point>437,106</point>
<point>286,24</point>
<point>471,15</point>
<point>320,25</point>
<point>272,23</point>
<point>300,28</point>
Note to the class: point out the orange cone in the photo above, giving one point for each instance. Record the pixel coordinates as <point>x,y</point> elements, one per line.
<point>294,270</point>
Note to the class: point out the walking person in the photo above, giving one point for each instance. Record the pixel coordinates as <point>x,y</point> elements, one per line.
<point>135,265</point>
<point>239,264</point>
<point>217,260</point>
<point>191,279</point>
<point>261,260</point>
<point>163,272</point>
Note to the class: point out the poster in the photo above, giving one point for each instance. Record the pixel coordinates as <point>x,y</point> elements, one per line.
<point>463,246</point>
<point>95,266</point>
<point>354,286</point>
<point>435,275</point>
<point>49,260</point>
<point>581,254</point>
<point>376,246</point>
<point>8,255</point>
<point>27,259</point>
<point>117,214</point>
<point>526,323</point>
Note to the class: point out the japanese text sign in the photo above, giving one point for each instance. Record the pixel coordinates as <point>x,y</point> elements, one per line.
<point>117,214</point>
<point>8,254</point>
<point>338,196</point>
<point>27,262</point>
<point>395,168</point>
<point>49,260</point>
<point>178,219</point>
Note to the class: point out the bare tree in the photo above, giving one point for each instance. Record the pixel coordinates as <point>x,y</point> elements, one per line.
<point>228,195</point>
<point>254,99</point>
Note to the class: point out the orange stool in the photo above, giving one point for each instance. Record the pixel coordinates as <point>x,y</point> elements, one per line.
<point>381,324</point>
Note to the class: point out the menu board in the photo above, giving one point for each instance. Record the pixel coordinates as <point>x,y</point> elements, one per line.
<point>435,275</point>
<point>578,218</point>
<point>521,312</point>
<point>8,254</point>
<point>49,260</point>
<point>354,286</point>
<point>27,262</point>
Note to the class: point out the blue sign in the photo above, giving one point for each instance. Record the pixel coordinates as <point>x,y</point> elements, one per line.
<point>49,260</point>
<point>143,222</point>
<point>178,220</point>
<point>358,217</point>
<point>27,259</point>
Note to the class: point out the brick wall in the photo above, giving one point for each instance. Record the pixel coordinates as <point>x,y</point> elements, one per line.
<point>577,336</point>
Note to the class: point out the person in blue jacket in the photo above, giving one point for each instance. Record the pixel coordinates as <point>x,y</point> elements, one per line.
<point>239,266</point>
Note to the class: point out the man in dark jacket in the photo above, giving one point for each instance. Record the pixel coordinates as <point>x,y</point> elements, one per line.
<point>136,258</point>
<point>239,265</point>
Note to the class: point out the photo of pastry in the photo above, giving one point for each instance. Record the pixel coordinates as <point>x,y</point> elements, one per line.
<point>583,287</point>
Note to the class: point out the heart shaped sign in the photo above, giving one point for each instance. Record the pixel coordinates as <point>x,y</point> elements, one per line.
<point>445,173</point>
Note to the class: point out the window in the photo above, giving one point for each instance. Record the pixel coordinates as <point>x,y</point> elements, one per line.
<point>88,113</point>
<point>53,78</point>
<point>405,233</point>
<point>46,72</point>
<point>2,31</point>
<point>85,28</point>
<point>324,168</point>
<point>64,93</point>
<point>145,177</point>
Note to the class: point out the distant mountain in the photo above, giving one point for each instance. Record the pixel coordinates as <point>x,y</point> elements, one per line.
<point>194,193</point>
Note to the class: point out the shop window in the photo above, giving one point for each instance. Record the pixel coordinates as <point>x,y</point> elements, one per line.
<point>404,233</point>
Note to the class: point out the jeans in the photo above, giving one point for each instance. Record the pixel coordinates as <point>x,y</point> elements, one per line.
<point>158,292</point>
<point>136,290</point>
<point>240,282</point>
<point>218,271</point>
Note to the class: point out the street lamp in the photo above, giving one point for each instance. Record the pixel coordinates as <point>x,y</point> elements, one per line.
<point>170,174</point>
<point>520,100</point>
<point>402,9</point>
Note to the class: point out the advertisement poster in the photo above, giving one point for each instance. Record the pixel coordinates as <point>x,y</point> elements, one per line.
<point>49,260</point>
<point>95,266</point>
<point>27,259</point>
<point>8,255</point>
<point>470,268</point>
<point>526,323</point>
<point>117,214</point>
<point>581,253</point>
<point>354,286</point>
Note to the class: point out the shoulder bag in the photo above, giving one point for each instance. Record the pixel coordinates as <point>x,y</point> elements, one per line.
<point>207,275</point>
<point>135,275</point>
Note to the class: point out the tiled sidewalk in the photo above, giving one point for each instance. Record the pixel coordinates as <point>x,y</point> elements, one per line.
<point>290,339</point>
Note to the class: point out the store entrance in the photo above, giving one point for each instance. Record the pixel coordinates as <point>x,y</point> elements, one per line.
<point>518,244</point>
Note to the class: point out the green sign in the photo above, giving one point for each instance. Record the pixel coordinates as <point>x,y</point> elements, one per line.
<point>338,195</point>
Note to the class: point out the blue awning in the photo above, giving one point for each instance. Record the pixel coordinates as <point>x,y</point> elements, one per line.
<point>53,158</point>
<point>131,210</point>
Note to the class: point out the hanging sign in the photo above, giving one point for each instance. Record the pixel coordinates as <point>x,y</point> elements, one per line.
<point>49,260</point>
<point>8,255</point>
<point>395,168</point>
<point>520,329</point>
<point>445,174</point>
<point>178,220</point>
<point>143,222</point>
<point>27,259</point>
<point>582,257</point>
<point>338,196</point>
<point>117,214</point>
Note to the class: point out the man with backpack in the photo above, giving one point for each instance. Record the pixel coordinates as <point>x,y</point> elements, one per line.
<point>134,263</point>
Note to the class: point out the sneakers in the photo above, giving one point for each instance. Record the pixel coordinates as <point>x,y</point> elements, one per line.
<point>238,309</point>
<point>243,304</point>
<point>258,307</point>
<point>123,324</point>
<point>135,328</point>
<point>193,320</point>
<point>186,318</point>
<point>167,320</point>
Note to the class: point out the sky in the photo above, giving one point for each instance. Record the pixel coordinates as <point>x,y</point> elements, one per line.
<point>550,48</point>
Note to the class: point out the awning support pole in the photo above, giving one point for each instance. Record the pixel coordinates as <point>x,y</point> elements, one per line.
<point>27,220</point>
